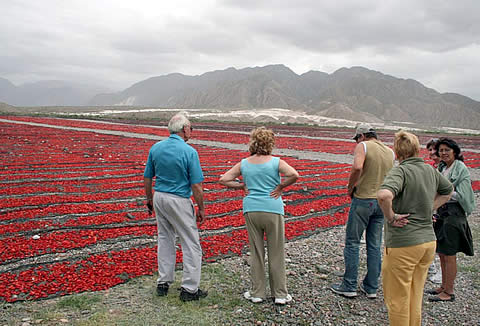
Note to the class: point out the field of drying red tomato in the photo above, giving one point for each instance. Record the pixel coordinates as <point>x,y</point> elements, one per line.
<point>72,215</point>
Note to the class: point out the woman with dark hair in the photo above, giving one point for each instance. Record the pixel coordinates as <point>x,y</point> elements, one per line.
<point>451,227</point>
<point>263,211</point>
<point>432,152</point>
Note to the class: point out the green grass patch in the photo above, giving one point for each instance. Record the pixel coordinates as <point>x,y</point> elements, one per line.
<point>79,301</point>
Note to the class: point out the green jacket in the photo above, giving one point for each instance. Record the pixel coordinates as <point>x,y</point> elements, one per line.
<point>460,178</point>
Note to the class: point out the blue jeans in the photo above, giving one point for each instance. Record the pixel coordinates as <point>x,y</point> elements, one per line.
<point>365,214</point>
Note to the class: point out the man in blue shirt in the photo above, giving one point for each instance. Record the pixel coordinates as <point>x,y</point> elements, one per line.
<point>178,173</point>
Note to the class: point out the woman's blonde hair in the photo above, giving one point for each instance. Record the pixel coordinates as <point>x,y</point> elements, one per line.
<point>406,145</point>
<point>261,142</point>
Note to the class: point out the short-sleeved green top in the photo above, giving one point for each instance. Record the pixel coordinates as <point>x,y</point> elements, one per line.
<point>414,185</point>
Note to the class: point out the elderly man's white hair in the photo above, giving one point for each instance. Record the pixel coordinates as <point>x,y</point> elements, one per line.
<point>177,122</point>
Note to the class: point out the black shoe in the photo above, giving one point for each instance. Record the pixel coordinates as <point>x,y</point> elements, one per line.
<point>436,298</point>
<point>162,289</point>
<point>434,291</point>
<point>187,296</point>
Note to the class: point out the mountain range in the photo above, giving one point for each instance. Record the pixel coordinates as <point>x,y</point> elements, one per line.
<point>47,93</point>
<point>354,93</point>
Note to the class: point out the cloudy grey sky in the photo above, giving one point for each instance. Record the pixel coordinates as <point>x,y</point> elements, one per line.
<point>116,43</point>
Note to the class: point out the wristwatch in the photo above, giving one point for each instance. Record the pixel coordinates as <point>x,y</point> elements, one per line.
<point>393,219</point>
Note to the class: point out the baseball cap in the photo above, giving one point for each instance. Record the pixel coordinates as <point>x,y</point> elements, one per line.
<point>361,129</point>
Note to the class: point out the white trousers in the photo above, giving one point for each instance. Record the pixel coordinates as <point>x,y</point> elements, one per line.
<point>176,216</point>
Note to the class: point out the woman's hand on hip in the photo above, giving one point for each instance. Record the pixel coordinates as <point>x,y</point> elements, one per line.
<point>400,220</point>
<point>277,192</point>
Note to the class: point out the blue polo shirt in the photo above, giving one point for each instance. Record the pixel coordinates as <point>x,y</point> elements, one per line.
<point>176,166</point>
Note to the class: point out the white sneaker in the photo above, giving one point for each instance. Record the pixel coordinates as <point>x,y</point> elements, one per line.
<point>436,278</point>
<point>249,297</point>
<point>339,289</point>
<point>283,301</point>
<point>369,295</point>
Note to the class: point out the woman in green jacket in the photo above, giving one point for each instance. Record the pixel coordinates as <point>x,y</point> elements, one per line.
<point>451,227</point>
